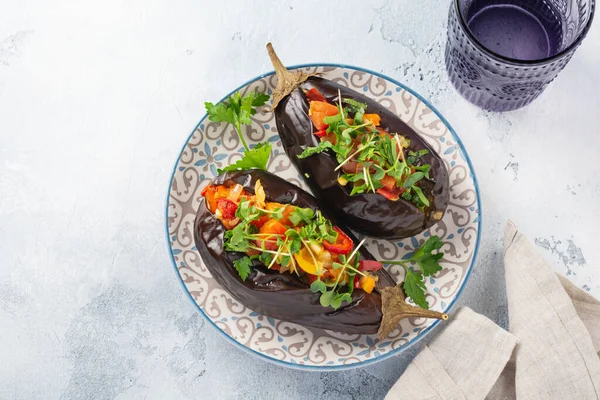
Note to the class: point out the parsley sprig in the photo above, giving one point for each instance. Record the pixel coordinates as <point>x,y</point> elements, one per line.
<point>237,110</point>
<point>429,264</point>
<point>358,140</point>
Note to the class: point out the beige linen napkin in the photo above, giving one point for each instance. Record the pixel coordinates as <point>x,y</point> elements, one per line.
<point>550,352</point>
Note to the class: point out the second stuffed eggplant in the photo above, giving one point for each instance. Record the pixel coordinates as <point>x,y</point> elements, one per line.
<point>365,164</point>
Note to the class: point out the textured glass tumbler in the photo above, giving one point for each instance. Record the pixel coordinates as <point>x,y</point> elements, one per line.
<point>499,83</point>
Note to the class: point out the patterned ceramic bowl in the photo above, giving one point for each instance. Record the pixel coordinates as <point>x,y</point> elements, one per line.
<point>215,145</point>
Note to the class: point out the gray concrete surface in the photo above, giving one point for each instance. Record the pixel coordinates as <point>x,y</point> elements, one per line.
<point>96,99</point>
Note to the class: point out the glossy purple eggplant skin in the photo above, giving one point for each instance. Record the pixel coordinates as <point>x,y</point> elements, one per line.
<point>283,296</point>
<point>370,213</point>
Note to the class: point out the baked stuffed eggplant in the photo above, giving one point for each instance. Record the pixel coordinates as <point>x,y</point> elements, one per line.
<point>270,246</point>
<point>363,163</point>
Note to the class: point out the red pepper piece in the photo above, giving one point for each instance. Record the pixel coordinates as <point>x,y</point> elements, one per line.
<point>314,95</point>
<point>369,265</point>
<point>321,133</point>
<point>356,282</point>
<point>388,195</point>
<point>342,245</point>
<point>227,208</point>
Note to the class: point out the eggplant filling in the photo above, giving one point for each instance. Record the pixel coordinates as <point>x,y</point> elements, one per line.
<point>371,159</point>
<point>291,240</point>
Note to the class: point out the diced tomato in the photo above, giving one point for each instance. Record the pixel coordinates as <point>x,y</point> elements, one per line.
<point>342,245</point>
<point>311,278</point>
<point>321,133</point>
<point>374,118</point>
<point>319,110</point>
<point>356,282</point>
<point>369,265</point>
<point>314,95</point>
<point>388,182</point>
<point>276,229</point>
<point>390,195</point>
<point>227,208</point>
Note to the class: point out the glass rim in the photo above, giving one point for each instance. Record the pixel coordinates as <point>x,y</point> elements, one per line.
<point>509,60</point>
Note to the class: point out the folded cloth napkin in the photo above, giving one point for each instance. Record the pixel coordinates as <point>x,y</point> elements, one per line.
<point>551,351</point>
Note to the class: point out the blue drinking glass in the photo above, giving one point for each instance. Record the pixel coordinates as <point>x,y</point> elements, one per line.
<point>501,54</point>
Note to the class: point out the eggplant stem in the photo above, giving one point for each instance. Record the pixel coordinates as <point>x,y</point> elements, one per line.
<point>287,80</point>
<point>395,308</point>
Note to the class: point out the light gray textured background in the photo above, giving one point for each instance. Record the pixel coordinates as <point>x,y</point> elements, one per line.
<point>96,100</point>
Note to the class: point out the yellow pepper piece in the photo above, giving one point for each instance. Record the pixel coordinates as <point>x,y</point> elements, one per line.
<point>306,262</point>
<point>342,181</point>
<point>367,283</point>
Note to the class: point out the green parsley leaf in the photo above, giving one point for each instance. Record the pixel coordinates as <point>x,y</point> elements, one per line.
<point>414,178</point>
<point>327,232</point>
<point>424,169</point>
<point>358,116</point>
<point>246,212</point>
<point>285,261</point>
<point>353,177</point>
<point>328,120</point>
<point>414,156</point>
<point>355,105</point>
<point>347,135</point>
<point>243,265</point>
<point>295,245</point>
<point>414,287</point>
<point>339,298</point>
<point>265,258</point>
<point>237,111</point>
<point>318,286</point>
<point>309,151</point>
<point>301,214</point>
<point>237,239</point>
<point>257,158</point>
<point>337,265</point>
<point>259,99</point>
<point>421,196</point>
<point>424,257</point>
<point>326,298</point>
<point>219,112</point>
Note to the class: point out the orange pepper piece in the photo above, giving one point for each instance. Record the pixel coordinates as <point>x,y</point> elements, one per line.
<point>374,118</point>
<point>319,110</point>
<point>276,229</point>
<point>209,193</point>
<point>306,262</point>
<point>367,283</point>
